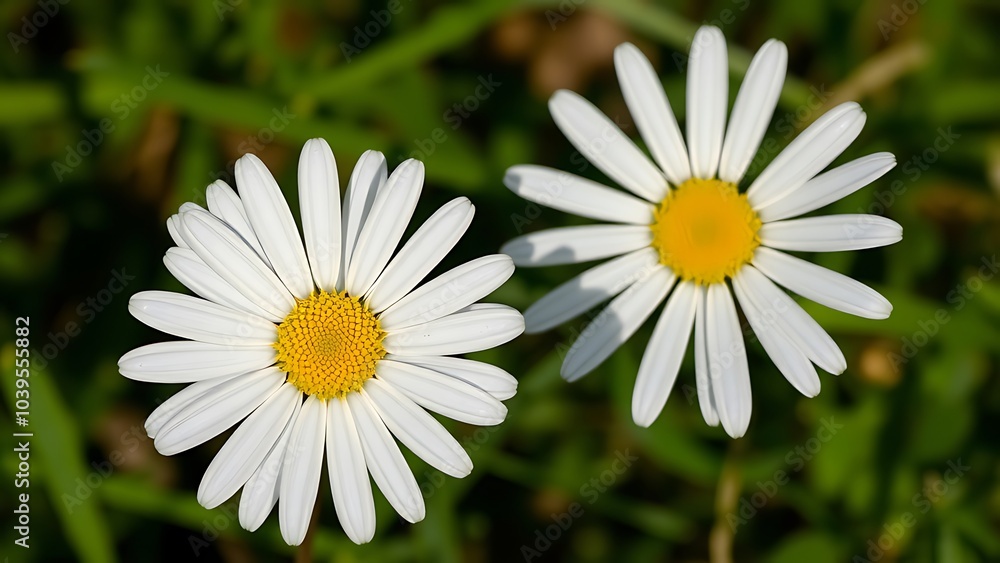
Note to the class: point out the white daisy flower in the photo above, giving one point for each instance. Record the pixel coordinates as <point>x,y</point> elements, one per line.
<point>324,346</point>
<point>686,227</point>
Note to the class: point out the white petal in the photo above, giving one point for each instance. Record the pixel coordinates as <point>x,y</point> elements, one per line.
<point>800,328</point>
<point>603,143</point>
<point>319,202</point>
<point>821,285</point>
<point>417,430</point>
<point>829,187</point>
<point>173,229</point>
<point>246,449</point>
<point>383,229</point>
<point>831,233</point>
<point>385,461</point>
<point>301,471</point>
<point>789,359</point>
<point>273,222</point>
<point>178,402</point>
<point>596,285</point>
<point>706,396</point>
<point>727,361</point>
<point>425,249</point>
<point>260,494</point>
<point>199,277</point>
<point>807,154</point>
<point>186,361</point>
<point>226,205</point>
<point>442,394</point>
<point>235,262</point>
<point>650,109</point>
<point>349,483</point>
<point>189,206</point>
<point>197,319</point>
<point>753,109</point>
<point>458,333</point>
<point>487,377</point>
<point>367,179</point>
<point>616,323</point>
<point>663,356</point>
<point>579,196</point>
<point>216,410</point>
<point>707,100</point>
<point>449,292</point>
<point>571,245</point>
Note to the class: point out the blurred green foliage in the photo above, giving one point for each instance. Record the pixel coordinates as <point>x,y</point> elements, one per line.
<point>112,113</point>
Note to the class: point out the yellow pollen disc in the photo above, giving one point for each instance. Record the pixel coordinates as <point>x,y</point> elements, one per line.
<point>705,230</point>
<point>329,344</point>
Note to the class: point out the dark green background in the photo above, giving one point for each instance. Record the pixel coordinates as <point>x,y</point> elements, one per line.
<point>920,392</point>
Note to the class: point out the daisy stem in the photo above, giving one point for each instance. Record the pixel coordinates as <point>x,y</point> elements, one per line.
<point>720,539</point>
<point>304,554</point>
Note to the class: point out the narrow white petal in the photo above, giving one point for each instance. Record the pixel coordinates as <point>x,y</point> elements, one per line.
<point>301,471</point>
<point>197,319</point>
<point>260,494</point>
<point>788,358</point>
<point>821,285</point>
<point>367,179</point>
<point>199,277</point>
<point>594,286</point>
<point>571,245</point>
<point>349,483</point>
<point>707,100</point>
<point>235,262</point>
<point>189,206</point>
<point>487,377</point>
<point>216,410</point>
<point>173,229</point>
<point>425,249</point>
<point>727,361</point>
<point>385,462</point>
<point>442,394</point>
<point>829,187</point>
<point>383,229</point>
<point>753,109</point>
<point>616,323</point>
<point>831,233</point>
<point>807,154</point>
<point>273,222</point>
<point>703,379</point>
<point>178,402</point>
<point>186,361</point>
<point>246,449</point>
<point>417,430</point>
<point>458,333</point>
<point>650,109</point>
<point>663,356</point>
<point>226,205</point>
<point>778,307</point>
<point>603,143</point>
<point>449,292</point>
<point>579,196</point>
<point>319,202</point>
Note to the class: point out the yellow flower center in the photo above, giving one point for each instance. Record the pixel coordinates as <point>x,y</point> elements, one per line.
<point>705,230</point>
<point>329,344</point>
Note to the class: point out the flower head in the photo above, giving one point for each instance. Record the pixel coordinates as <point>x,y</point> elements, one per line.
<point>322,345</point>
<point>687,234</point>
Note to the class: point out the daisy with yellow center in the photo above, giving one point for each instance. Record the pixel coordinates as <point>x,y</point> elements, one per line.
<point>322,342</point>
<point>688,234</point>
